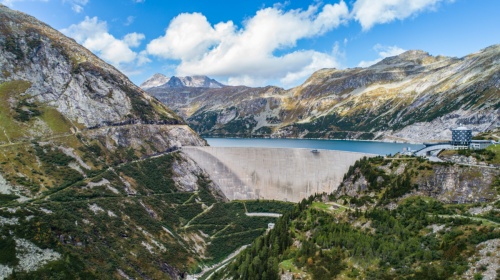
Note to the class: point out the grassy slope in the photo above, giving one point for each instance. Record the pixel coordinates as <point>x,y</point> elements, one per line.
<point>100,229</point>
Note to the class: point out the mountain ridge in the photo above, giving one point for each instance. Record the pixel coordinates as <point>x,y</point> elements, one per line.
<point>162,81</point>
<point>413,97</point>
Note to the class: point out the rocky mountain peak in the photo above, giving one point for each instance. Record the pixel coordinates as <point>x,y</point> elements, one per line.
<point>200,81</point>
<point>174,82</point>
<point>409,57</point>
<point>413,54</point>
<point>155,81</point>
<point>160,80</point>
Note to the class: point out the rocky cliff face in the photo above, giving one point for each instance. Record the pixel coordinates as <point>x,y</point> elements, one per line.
<point>226,111</point>
<point>410,97</point>
<point>446,182</point>
<point>51,85</point>
<point>52,90</point>
<point>61,74</point>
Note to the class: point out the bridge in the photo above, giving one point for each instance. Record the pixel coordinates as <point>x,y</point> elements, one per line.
<point>273,173</point>
<point>433,148</point>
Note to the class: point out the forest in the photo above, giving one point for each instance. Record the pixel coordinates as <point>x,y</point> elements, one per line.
<point>386,235</point>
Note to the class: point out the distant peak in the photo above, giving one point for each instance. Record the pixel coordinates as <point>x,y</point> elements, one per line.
<point>411,57</point>
<point>158,75</point>
<point>199,81</point>
<point>412,54</point>
<point>155,81</point>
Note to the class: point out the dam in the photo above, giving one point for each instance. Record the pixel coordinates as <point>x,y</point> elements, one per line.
<point>273,173</point>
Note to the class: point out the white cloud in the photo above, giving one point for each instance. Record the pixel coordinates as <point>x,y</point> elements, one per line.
<point>143,58</point>
<point>93,34</point>
<point>77,8</point>
<point>370,12</point>
<point>130,20</point>
<point>134,39</point>
<point>383,52</point>
<point>247,54</point>
<point>77,5</point>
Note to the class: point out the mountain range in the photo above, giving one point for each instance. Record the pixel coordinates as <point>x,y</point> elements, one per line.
<point>411,97</point>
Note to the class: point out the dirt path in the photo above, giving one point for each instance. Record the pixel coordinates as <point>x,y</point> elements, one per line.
<point>273,215</point>
<point>218,266</point>
<point>195,217</point>
<point>470,217</point>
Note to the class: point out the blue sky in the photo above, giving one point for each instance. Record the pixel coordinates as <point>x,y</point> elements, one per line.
<point>260,43</point>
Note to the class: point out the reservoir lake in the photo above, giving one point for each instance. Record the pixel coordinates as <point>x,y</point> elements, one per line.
<point>370,147</point>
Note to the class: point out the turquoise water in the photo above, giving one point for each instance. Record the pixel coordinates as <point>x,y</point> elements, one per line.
<point>371,147</point>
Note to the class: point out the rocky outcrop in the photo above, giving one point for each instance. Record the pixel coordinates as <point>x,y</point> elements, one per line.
<point>57,94</point>
<point>411,97</point>
<point>157,138</point>
<point>446,182</point>
<point>485,262</point>
<point>456,184</point>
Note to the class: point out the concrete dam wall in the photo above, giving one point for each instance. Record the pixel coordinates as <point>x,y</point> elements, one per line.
<point>273,173</point>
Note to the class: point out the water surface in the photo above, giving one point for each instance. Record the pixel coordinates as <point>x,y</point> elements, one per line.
<point>370,147</point>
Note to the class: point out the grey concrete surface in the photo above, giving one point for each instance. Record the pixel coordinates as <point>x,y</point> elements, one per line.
<point>273,173</point>
<point>424,151</point>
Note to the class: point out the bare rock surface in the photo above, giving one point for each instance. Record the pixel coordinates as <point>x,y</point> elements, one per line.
<point>488,263</point>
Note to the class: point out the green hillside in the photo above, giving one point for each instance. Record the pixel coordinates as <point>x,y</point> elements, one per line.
<point>388,230</point>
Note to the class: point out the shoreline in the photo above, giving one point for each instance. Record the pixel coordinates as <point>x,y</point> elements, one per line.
<point>322,139</point>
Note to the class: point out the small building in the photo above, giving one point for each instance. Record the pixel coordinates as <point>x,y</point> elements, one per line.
<point>461,138</point>
<point>480,144</point>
